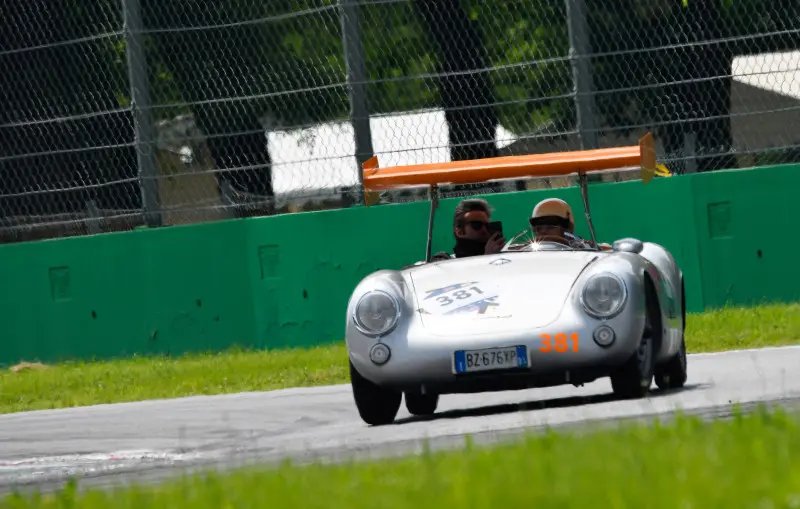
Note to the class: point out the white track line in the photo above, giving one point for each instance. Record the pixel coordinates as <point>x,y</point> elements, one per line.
<point>747,350</point>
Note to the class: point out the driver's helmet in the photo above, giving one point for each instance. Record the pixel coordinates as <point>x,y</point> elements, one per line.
<point>553,212</point>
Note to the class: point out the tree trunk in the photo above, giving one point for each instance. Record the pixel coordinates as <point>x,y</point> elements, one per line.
<point>701,103</point>
<point>211,67</point>
<point>464,87</point>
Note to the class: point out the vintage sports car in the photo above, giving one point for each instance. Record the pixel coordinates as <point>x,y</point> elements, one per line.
<point>537,314</point>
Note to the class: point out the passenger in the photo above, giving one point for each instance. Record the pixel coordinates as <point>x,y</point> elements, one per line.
<point>470,229</point>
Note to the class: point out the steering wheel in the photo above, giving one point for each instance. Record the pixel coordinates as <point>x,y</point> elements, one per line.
<point>526,238</point>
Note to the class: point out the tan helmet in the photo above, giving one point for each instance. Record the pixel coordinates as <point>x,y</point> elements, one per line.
<point>553,211</point>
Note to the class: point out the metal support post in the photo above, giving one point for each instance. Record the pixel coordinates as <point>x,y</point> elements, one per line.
<point>142,114</point>
<point>583,81</point>
<point>357,83</point>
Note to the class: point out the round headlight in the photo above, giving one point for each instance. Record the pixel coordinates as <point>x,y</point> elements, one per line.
<point>376,313</point>
<point>604,295</point>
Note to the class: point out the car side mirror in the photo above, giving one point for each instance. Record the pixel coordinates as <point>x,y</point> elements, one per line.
<point>628,245</point>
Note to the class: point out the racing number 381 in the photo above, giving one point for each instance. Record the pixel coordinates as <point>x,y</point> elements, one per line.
<point>446,300</point>
<point>560,342</point>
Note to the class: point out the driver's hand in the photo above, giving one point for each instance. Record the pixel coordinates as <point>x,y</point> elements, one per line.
<point>495,244</point>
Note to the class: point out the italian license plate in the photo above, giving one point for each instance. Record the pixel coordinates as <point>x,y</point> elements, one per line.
<point>469,361</point>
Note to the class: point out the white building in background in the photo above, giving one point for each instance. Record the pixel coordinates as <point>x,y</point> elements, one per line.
<point>322,156</point>
<point>765,102</point>
<point>307,163</point>
<point>765,105</point>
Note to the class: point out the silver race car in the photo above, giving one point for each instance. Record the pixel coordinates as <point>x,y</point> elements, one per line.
<point>537,314</point>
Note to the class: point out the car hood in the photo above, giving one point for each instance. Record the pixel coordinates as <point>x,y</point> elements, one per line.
<point>495,293</point>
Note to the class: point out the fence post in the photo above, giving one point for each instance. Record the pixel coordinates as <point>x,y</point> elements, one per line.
<point>580,49</point>
<point>357,86</point>
<point>142,114</point>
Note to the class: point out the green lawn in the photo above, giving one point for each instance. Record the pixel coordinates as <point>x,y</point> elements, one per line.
<point>78,384</point>
<point>749,461</point>
<point>738,328</point>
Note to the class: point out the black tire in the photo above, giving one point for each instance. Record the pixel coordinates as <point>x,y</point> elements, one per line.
<point>376,405</point>
<point>421,404</point>
<point>633,379</point>
<point>674,373</point>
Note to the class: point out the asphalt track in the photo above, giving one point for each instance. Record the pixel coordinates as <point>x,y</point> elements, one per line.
<point>152,440</point>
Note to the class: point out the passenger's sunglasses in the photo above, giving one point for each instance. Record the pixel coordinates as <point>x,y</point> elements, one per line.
<point>478,225</point>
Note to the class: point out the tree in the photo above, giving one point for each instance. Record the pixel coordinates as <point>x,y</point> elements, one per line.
<point>704,92</point>
<point>232,73</point>
<point>56,166</point>
<point>669,64</point>
<point>234,62</point>
<point>464,84</point>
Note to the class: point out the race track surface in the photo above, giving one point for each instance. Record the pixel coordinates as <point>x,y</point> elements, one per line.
<point>151,440</point>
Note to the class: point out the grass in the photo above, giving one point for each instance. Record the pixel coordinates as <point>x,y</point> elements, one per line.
<point>738,328</point>
<point>748,461</point>
<point>79,384</point>
<point>89,383</point>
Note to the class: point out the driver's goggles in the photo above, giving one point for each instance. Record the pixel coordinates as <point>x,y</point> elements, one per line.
<point>549,222</point>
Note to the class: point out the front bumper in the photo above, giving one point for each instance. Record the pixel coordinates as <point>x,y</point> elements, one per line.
<point>565,351</point>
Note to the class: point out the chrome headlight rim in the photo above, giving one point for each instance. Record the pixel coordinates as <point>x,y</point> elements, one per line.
<point>614,312</point>
<point>386,330</point>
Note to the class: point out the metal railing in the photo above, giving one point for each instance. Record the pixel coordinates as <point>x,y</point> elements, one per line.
<point>136,113</point>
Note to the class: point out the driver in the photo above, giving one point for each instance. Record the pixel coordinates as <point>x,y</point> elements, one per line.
<point>552,220</point>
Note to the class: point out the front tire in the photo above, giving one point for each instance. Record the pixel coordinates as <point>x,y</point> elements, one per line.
<point>674,373</point>
<point>633,379</point>
<point>376,405</point>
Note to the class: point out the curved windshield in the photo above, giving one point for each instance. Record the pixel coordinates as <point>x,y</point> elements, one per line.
<point>526,241</point>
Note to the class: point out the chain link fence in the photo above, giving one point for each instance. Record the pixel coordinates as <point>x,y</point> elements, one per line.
<point>117,114</point>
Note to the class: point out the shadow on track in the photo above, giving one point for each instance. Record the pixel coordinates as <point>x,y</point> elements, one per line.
<point>572,401</point>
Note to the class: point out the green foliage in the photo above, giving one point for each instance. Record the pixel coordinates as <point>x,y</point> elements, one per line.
<point>290,62</point>
<point>527,43</point>
<point>529,46</point>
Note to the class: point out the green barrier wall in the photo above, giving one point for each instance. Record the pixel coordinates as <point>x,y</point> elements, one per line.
<point>277,282</point>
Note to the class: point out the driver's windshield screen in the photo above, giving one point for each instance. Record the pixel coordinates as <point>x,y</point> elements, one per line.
<point>526,240</point>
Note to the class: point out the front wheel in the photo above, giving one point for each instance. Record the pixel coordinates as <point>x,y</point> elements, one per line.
<point>673,373</point>
<point>376,405</point>
<point>633,379</point>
